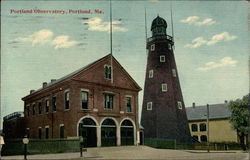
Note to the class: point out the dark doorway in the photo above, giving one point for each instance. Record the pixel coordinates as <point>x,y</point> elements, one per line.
<point>141,138</point>
<point>127,133</point>
<point>87,129</point>
<point>108,133</point>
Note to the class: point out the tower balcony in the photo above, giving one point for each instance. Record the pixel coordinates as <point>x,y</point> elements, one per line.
<point>160,37</point>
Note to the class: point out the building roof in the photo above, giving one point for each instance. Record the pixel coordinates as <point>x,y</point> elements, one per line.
<point>216,111</point>
<point>52,83</point>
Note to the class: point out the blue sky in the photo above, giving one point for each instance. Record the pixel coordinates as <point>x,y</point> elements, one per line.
<point>211,48</point>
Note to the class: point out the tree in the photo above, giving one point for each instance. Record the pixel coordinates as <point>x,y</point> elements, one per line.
<point>240,118</point>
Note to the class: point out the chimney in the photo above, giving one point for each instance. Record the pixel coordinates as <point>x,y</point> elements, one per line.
<point>53,80</point>
<point>32,91</point>
<point>225,101</point>
<point>44,84</point>
<point>193,105</point>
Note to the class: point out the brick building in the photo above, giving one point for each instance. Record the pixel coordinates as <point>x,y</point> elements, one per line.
<point>98,102</point>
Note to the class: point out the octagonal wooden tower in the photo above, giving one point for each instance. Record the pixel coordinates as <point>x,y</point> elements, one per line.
<point>163,111</point>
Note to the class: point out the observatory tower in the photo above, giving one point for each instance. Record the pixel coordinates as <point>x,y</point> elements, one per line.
<point>163,111</point>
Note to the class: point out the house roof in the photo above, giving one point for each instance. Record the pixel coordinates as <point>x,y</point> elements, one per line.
<point>80,70</point>
<point>216,111</point>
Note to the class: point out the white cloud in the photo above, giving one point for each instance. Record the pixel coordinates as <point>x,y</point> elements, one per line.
<point>199,41</point>
<point>225,36</point>
<point>40,37</point>
<point>96,24</point>
<point>46,37</point>
<point>63,42</point>
<point>224,62</point>
<point>195,21</point>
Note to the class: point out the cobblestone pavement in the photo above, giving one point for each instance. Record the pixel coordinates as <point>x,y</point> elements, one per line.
<point>141,153</point>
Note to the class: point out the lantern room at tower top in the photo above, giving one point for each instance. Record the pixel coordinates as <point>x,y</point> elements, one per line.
<point>159,31</point>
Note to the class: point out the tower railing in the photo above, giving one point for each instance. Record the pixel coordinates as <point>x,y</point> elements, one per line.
<point>160,37</point>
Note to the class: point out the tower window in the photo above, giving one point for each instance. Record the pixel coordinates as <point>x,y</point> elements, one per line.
<point>151,73</point>
<point>150,106</point>
<point>179,104</point>
<point>174,72</point>
<point>162,59</point>
<point>152,47</point>
<point>169,46</point>
<point>164,87</point>
<point>66,100</point>
<point>107,72</point>
<point>109,103</point>
<point>84,99</point>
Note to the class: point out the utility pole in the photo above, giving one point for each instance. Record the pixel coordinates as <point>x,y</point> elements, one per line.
<point>208,150</point>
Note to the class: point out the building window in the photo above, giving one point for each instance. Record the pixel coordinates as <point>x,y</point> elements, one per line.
<point>107,72</point>
<point>162,59</point>
<point>128,104</point>
<point>174,72</point>
<point>194,127</point>
<point>40,133</point>
<point>46,105</point>
<point>54,103</point>
<point>33,109</point>
<point>203,127</point>
<point>179,104</point>
<point>109,100</point>
<point>84,99</point>
<point>61,131</point>
<point>151,73</point>
<point>169,46</point>
<point>195,138</point>
<point>152,47</point>
<point>66,100</point>
<point>203,138</point>
<point>47,132</point>
<point>149,106</point>
<point>164,87</point>
<point>40,107</point>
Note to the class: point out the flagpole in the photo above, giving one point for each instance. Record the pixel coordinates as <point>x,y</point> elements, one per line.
<point>111,50</point>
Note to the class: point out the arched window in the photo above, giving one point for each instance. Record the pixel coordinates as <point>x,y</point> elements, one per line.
<point>88,122</point>
<point>108,122</point>
<point>127,123</point>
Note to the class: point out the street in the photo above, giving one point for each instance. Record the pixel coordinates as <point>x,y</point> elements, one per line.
<point>142,153</point>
